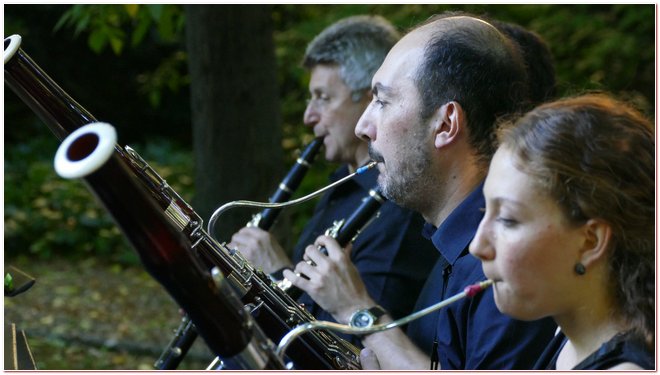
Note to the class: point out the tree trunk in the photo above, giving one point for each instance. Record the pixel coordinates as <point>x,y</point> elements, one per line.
<point>237,134</point>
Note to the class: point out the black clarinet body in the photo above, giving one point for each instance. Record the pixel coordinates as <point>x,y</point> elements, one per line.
<point>345,231</point>
<point>266,218</point>
<point>62,115</point>
<point>360,218</point>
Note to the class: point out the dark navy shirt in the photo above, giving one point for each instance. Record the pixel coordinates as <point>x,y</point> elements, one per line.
<point>620,349</point>
<point>471,333</point>
<point>392,256</point>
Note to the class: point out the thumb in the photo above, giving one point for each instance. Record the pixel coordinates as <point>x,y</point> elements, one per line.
<point>349,249</point>
<point>369,360</point>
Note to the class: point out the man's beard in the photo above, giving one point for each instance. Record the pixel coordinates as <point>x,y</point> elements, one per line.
<point>404,181</point>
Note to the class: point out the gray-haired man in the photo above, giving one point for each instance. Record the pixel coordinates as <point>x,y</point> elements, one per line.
<point>390,255</point>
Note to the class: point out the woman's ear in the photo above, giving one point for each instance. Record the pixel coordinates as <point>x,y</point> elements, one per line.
<point>447,123</point>
<point>598,238</point>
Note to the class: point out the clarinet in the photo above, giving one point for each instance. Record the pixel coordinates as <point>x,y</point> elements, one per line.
<point>228,329</point>
<point>345,231</point>
<point>185,335</point>
<point>266,218</point>
<point>273,309</point>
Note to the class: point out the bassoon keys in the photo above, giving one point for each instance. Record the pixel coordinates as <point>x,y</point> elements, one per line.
<point>215,309</point>
<point>185,334</point>
<point>277,312</point>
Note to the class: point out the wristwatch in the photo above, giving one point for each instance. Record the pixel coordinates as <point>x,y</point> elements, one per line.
<point>366,318</point>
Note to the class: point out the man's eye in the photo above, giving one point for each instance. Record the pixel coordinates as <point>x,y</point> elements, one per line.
<point>318,100</point>
<point>379,103</point>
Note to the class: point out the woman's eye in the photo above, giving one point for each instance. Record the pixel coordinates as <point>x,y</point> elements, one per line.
<point>507,222</point>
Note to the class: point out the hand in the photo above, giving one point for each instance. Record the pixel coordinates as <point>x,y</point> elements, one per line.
<point>333,281</point>
<point>369,360</point>
<point>260,248</point>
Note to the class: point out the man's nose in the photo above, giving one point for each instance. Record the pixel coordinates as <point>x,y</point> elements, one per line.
<point>365,130</point>
<point>312,115</point>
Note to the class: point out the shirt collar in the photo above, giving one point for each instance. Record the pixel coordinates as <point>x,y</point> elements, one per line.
<point>455,233</point>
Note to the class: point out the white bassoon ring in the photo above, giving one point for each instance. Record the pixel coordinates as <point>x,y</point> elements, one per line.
<point>85,150</point>
<point>14,44</point>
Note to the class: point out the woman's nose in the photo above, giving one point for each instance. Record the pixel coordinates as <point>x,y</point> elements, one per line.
<point>480,246</point>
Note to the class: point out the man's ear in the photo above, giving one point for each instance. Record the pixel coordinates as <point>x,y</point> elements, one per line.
<point>447,123</point>
<point>598,238</point>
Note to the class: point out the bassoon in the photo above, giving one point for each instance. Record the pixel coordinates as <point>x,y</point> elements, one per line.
<point>185,334</point>
<point>344,231</point>
<point>273,309</point>
<point>220,317</point>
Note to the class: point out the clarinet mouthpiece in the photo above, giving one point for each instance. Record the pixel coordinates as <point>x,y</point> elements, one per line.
<point>474,289</point>
<point>366,167</point>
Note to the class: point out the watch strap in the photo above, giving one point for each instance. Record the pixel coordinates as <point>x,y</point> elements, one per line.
<point>377,311</point>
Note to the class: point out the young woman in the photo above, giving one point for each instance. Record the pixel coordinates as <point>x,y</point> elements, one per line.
<point>569,230</point>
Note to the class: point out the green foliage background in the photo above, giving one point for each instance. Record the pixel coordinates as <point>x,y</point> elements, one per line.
<point>48,216</point>
<point>127,64</point>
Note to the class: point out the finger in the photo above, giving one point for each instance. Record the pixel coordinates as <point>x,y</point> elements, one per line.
<point>238,239</point>
<point>348,250</point>
<point>295,279</point>
<point>234,245</point>
<point>235,238</point>
<point>248,235</point>
<point>331,245</point>
<point>254,233</point>
<point>242,233</point>
<point>305,253</point>
<point>315,256</point>
<point>306,269</point>
<point>310,262</point>
<point>322,240</point>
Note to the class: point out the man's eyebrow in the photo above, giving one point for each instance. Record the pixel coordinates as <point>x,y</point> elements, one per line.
<point>382,89</point>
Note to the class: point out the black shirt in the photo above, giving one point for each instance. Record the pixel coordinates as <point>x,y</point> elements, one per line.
<point>622,348</point>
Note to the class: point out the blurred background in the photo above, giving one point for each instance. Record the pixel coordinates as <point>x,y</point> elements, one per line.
<point>139,68</point>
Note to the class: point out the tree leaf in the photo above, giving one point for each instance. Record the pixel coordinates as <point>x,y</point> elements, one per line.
<point>132,9</point>
<point>9,282</point>
<point>117,44</point>
<point>97,40</point>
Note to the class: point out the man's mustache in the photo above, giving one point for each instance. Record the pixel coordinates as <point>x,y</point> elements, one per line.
<point>375,155</point>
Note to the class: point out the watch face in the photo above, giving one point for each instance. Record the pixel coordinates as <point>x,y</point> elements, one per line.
<point>362,319</point>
